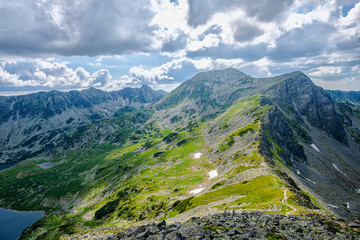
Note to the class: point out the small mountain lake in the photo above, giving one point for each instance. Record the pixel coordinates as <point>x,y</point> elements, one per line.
<point>6,166</point>
<point>12,223</point>
<point>46,165</point>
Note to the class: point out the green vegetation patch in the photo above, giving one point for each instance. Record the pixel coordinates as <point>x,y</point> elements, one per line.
<point>239,169</point>
<point>170,137</point>
<point>181,205</point>
<point>217,185</point>
<point>229,141</point>
<point>250,189</point>
<point>107,209</point>
<point>181,142</point>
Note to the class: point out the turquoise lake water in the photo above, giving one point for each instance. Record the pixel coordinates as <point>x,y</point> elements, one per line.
<point>3,167</point>
<point>12,223</point>
<point>46,165</point>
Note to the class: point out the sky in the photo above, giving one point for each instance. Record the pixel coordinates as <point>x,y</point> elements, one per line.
<point>112,44</point>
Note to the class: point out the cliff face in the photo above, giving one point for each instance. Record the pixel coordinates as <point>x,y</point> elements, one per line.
<point>314,138</point>
<point>299,97</point>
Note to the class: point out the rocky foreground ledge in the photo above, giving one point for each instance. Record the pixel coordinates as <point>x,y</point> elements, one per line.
<point>251,225</point>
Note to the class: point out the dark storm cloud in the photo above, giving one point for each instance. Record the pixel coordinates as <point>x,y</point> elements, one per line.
<point>200,11</point>
<point>311,40</point>
<point>266,10</point>
<point>245,31</point>
<point>348,44</point>
<point>175,44</point>
<point>75,27</point>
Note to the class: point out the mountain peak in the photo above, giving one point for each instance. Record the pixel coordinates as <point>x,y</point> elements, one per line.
<point>91,90</point>
<point>220,74</point>
<point>146,87</point>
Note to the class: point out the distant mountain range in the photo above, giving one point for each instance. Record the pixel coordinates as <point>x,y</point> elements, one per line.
<point>345,96</point>
<point>39,122</point>
<point>221,141</point>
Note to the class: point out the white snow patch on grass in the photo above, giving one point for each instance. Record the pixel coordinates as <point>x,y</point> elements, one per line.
<point>333,206</point>
<point>197,191</point>
<point>213,174</point>
<point>310,180</point>
<point>339,170</point>
<point>357,190</point>
<point>315,147</point>
<point>298,172</point>
<point>348,205</point>
<point>197,155</point>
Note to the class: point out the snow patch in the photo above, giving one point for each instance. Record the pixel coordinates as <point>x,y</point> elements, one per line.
<point>357,190</point>
<point>333,206</point>
<point>348,205</point>
<point>310,180</point>
<point>197,155</point>
<point>298,172</point>
<point>213,174</point>
<point>197,191</point>
<point>315,147</point>
<point>339,170</point>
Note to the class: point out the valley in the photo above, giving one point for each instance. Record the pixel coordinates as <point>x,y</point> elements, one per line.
<point>222,141</point>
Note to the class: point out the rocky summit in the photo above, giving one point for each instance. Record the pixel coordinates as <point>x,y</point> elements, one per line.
<point>223,156</point>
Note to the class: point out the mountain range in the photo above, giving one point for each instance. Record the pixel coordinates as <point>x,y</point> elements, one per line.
<point>221,141</point>
<point>42,122</point>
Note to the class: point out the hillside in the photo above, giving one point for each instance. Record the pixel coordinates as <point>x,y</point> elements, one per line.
<point>221,141</point>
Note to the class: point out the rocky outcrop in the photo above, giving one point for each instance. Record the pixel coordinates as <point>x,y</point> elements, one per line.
<point>299,97</point>
<point>308,135</point>
<point>278,134</point>
<point>251,225</point>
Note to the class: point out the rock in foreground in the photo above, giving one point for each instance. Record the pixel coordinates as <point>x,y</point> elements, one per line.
<point>251,225</point>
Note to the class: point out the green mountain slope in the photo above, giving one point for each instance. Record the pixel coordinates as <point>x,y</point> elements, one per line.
<point>220,141</point>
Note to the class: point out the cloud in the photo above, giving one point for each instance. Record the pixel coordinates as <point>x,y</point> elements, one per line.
<point>201,11</point>
<point>82,74</point>
<point>100,78</point>
<point>178,70</point>
<point>156,74</point>
<point>246,31</point>
<point>302,42</point>
<point>46,75</point>
<point>230,51</point>
<point>162,42</point>
<point>345,84</point>
<point>75,27</point>
<point>41,73</point>
<point>8,79</point>
<point>175,43</point>
<point>210,40</point>
<point>324,70</point>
